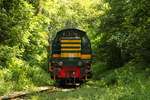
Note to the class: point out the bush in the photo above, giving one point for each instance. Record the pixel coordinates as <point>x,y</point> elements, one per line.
<point>20,75</point>
<point>5,76</point>
<point>99,68</point>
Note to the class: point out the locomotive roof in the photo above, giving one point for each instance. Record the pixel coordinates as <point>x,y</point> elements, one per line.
<point>82,33</point>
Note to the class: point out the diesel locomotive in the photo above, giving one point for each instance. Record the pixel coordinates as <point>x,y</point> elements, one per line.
<point>71,57</point>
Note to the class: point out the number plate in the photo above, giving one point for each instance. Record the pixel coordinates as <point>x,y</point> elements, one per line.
<point>71,55</point>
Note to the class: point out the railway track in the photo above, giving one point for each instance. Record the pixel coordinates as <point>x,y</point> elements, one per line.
<point>49,89</point>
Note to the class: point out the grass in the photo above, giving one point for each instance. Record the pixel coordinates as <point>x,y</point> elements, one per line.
<point>130,82</point>
<point>22,78</point>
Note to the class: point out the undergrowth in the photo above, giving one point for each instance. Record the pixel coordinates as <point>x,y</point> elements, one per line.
<point>17,74</point>
<point>22,78</point>
<point>130,82</point>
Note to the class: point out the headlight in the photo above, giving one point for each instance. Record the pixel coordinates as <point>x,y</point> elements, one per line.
<point>82,71</point>
<point>60,63</point>
<point>88,66</point>
<point>80,63</point>
<point>87,62</point>
<point>53,61</point>
<point>57,71</point>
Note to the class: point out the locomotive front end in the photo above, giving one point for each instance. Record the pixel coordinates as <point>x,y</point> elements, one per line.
<point>71,57</point>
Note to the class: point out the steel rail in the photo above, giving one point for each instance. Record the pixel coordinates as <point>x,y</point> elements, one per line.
<point>38,90</point>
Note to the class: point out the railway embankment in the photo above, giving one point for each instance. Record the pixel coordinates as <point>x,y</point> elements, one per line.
<point>130,82</point>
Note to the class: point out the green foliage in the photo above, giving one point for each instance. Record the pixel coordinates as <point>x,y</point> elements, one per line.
<point>5,76</point>
<point>99,67</point>
<point>20,76</point>
<point>23,53</point>
<point>123,33</point>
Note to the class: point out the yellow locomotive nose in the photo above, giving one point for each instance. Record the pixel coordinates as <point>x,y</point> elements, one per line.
<point>70,47</point>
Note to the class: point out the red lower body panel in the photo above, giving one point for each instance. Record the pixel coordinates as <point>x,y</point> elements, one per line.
<point>69,72</point>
